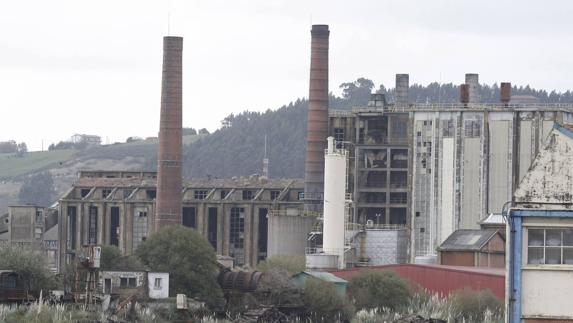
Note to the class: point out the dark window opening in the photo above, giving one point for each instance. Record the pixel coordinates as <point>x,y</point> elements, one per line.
<point>92,225</point>
<point>377,132</point>
<point>151,194</point>
<point>397,215</point>
<point>399,158</point>
<point>374,216</point>
<point>127,282</point>
<point>224,194</point>
<point>374,197</point>
<point>84,192</point>
<point>105,192</point>
<point>72,226</point>
<point>399,198</point>
<point>398,179</point>
<point>339,136</point>
<point>300,195</point>
<point>114,227</point>
<point>376,179</point>
<point>263,234</point>
<point>275,195</point>
<point>375,158</point>
<point>190,217</point>
<point>236,235</point>
<point>212,227</point>
<point>248,195</point>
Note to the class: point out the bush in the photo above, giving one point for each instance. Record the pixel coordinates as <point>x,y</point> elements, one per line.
<point>324,304</point>
<point>293,264</point>
<point>188,258</point>
<point>277,288</point>
<point>30,266</point>
<point>473,305</point>
<point>379,289</point>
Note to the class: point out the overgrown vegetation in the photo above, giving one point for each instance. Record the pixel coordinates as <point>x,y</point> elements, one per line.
<point>379,289</point>
<point>188,258</point>
<point>30,266</point>
<point>323,302</point>
<point>38,189</point>
<point>291,263</point>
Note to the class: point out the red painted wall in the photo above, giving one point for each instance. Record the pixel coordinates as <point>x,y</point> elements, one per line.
<point>442,280</point>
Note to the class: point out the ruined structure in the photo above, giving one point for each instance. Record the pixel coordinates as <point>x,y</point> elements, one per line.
<point>245,218</point>
<point>317,126</point>
<point>430,169</point>
<point>170,135</point>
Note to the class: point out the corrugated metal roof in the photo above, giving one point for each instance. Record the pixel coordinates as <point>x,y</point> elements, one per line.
<point>470,240</point>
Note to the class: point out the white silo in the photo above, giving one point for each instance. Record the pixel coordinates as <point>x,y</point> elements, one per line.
<point>334,201</point>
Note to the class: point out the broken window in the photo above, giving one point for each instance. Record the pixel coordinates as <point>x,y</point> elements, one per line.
<point>236,235</point>
<point>200,194</point>
<point>275,194</point>
<point>151,194</point>
<point>398,179</point>
<point>212,227</point>
<point>399,158</point>
<point>448,128</point>
<point>300,195</point>
<point>84,192</point>
<point>375,158</point>
<point>92,229</point>
<point>248,194</point>
<point>399,127</point>
<point>105,192</point>
<point>139,227</point>
<point>157,283</point>
<point>339,135</point>
<point>398,197</point>
<point>472,128</point>
<point>376,179</point>
<point>72,227</point>
<point>224,194</point>
<point>127,282</point>
<point>377,131</point>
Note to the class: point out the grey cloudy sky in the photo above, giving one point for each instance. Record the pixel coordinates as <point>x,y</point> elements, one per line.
<point>95,66</point>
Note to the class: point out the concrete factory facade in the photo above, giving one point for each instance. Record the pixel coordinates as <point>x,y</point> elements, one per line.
<point>436,168</point>
<point>245,218</point>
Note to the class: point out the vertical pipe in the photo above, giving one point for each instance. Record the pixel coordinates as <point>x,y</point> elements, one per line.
<point>317,126</point>
<point>168,201</point>
<point>402,87</point>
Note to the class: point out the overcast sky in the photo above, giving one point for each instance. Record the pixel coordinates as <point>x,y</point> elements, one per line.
<point>95,66</point>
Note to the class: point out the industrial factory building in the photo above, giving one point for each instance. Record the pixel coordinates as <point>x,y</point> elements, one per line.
<point>435,168</point>
<point>245,218</point>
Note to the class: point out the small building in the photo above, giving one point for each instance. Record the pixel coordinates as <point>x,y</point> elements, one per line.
<point>11,287</point>
<point>540,237</point>
<point>141,283</point>
<point>301,278</point>
<point>474,248</point>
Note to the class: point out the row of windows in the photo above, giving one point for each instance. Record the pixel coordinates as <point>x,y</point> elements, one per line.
<point>550,246</point>
<point>197,194</point>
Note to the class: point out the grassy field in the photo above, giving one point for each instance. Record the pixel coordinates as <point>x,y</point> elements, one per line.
<point>11,166</point>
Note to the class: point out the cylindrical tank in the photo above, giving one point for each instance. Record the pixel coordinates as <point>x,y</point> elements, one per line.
<point>334,201</point>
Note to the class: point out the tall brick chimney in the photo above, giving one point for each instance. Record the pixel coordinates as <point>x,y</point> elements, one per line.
<point>317,126</point>
<point>505,93</point>
<point>168,202</point>
<point>401,90</point>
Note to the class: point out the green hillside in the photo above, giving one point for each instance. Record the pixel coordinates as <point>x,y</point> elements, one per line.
<point>12,166</point>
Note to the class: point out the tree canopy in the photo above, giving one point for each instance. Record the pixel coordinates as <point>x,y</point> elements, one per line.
<point>187,257</point>
<point>38,189</point>
<point>29,265</point>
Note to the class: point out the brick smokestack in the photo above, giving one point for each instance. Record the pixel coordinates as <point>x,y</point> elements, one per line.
<point>168,202</point>
<point>472,80</point>
<point>464,93</point>
<point>317,126</point>
<point>505,92</point>
<point>402,87</point>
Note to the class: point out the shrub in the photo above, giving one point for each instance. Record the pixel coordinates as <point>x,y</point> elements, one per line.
<point>291,263</point>
<point>323,302</point>
<point>379,289</point>
<point>473,305</point>
<point>277,288</point>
